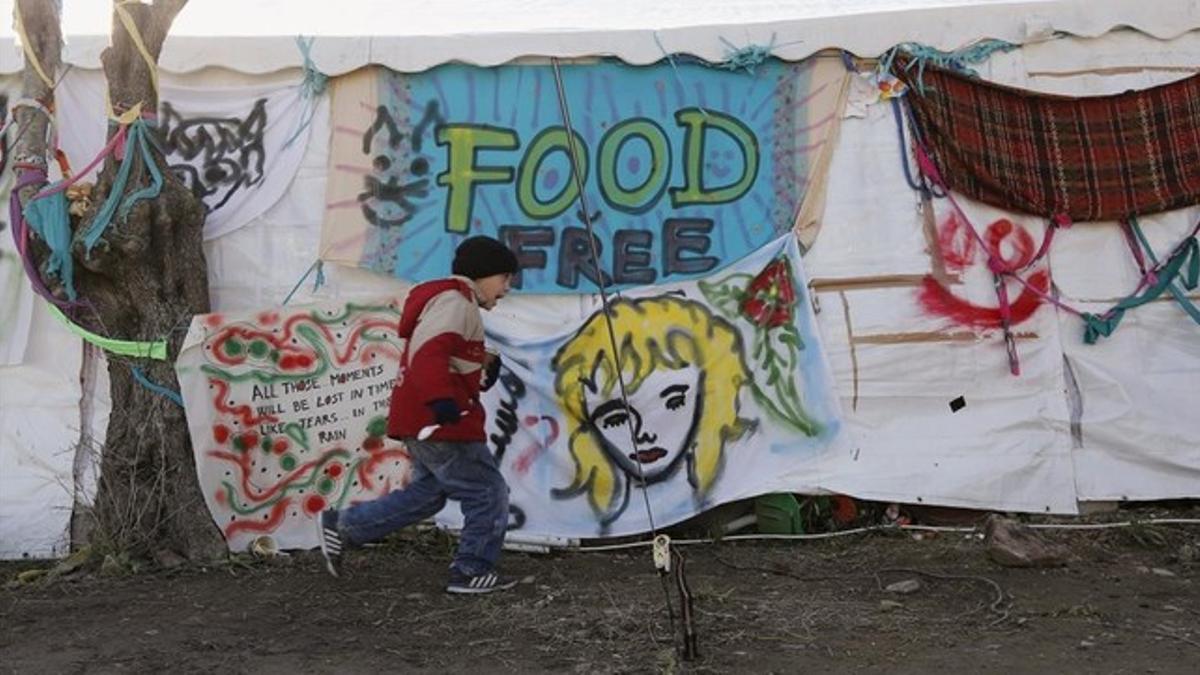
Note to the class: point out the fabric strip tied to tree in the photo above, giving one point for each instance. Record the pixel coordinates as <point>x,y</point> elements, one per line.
<point>138,141</point>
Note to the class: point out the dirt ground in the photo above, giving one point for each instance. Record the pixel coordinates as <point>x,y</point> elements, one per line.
<point>1128,602</point>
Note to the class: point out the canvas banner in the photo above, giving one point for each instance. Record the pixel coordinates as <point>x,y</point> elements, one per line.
<point>236,148</point>
<point>728,396</point>
<point>287,411</point>
<point>684,168</point>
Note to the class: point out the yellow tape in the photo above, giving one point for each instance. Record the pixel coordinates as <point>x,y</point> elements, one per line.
<point>131,28</point>
<point>146,350</point>
<point>126,118</point>
<point>37,66</point>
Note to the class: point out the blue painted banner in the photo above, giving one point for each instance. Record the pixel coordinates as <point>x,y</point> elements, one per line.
<point>683,169</point>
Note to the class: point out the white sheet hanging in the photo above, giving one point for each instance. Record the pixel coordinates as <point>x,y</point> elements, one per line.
<point>237,147</point>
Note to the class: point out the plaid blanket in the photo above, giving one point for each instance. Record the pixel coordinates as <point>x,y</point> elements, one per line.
<point>1094,158</point>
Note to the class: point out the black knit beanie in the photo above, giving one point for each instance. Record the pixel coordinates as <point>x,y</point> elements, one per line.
<point>479,257</point>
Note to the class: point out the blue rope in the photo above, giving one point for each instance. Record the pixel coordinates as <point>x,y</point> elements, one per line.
<point>48,217</point>
<point>746,58</point>
<point>314,80</point>
<point>751,56</point>
<point>320,279</point>
<point>678,78</point>
<point>311,87</point>
<point>319,266</point>
<point>848,61</point>
<point>959,60</point>
<point>156,388</point>
<point>1190,279</point>
<point>1184,263</point>
<point>926,189</point>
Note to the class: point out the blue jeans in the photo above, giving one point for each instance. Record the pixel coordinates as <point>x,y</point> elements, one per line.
<point>463,472</point>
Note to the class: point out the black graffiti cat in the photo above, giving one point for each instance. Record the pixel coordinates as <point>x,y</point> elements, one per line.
<point>215,157</point>
<point>388,196</point>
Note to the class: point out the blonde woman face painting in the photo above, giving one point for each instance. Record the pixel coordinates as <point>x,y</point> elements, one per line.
<point>683,371</point>
<point>662,416</point>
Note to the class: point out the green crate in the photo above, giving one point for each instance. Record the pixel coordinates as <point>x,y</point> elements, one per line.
<point>778,513</point>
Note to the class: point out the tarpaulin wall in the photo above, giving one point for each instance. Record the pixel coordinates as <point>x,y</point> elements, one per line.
<point>1082,422</point>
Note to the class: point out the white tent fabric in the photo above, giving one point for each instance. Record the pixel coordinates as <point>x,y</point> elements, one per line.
<point>16,295</point>
<point>16,303</point>
<point>237,145</point>
<point>1083,422</point>
<point>1112,417</point>
<point>258,37</point>
<point>39,432</point>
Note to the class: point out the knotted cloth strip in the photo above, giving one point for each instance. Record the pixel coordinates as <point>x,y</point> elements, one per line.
<point>1092,158</point>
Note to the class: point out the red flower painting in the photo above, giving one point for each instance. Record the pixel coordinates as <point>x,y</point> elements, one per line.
<point>769,298</point>
<point>768,301</point>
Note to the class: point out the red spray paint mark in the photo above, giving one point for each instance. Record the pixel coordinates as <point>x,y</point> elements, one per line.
<point>249,440</point>
<point>535,449</point>
<point>388,351</point>
<point>266,525</point>
<point>1012,245</point>
<point>956,242</point>
<point>367,467</point>
<point>937,299</point>
<point>314,504</point>
<point>246,414</point>
<point>293,357</point>
<point>1020,241</point>
<point>256,495</point>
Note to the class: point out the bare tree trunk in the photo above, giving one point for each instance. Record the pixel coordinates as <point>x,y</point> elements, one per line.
<point>144,280</point>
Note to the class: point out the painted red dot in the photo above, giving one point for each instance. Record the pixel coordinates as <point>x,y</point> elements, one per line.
<point>249,440</point>
<point>214,320</point>
<point>280,446</point>
<point>220,433</point>
<point>314,504</point>
<point>287,362</point>
<point>268,318</point>
<point>304,361</point>
<point>373,443</point>
<point>334,470</point>
<point>219,496</point>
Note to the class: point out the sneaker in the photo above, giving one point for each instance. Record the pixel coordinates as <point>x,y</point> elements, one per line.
<point>331,541</point>
<point>480,583</point>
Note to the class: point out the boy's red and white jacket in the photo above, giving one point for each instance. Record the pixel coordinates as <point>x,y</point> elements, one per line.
<point>443,358</point>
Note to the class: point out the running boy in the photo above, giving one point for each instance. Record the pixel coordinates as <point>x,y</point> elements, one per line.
<point>435,410</point>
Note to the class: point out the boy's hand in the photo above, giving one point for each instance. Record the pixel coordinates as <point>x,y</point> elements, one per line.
<point>445,411</point>
<point>491,370</point>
